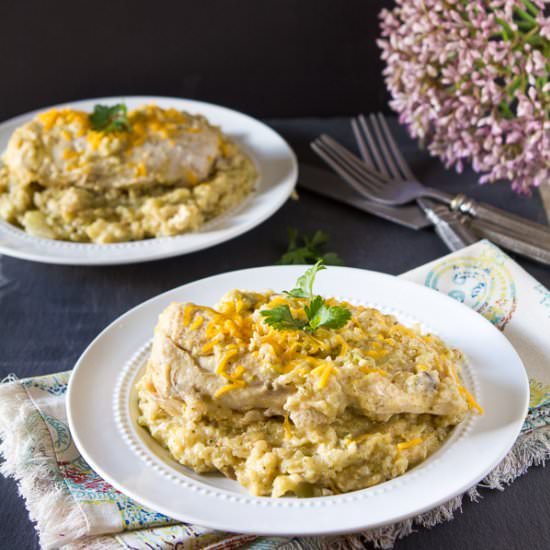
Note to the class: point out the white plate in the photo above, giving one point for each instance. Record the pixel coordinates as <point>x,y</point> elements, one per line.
<point>274,160</point>
<point>102,409</point>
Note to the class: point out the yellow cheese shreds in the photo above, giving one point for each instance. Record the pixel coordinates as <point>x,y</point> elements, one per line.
<point>343,345</point>
<point>377,353</point>
<point>228,308</point>
<point>472,403</point>
<point>69,154</point>
<point>360,439</point>
<point>323,372</point>
<point>212,329</point>
<point>209,346</point>
<point>49,118</point>
<point>368,370</point>
<point>238,372</point>
<point>141,170</point>
<point>421,367</point>
<point>187,312</point>
<point>199,320</point>
<point>287,426</point>
<point>403,330</point>
<point>283,369</point>
<point>228,387</point>
<point>223,363</point>
<point>409,444</point>
<point>94,139</point>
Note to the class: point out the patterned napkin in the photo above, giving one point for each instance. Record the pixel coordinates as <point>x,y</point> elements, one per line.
<point>74,508</point>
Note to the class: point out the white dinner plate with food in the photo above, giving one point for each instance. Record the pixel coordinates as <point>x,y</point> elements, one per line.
<point>359,403</point>
<point>132,179</point>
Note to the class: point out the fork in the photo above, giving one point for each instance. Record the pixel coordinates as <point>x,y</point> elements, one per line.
<point>521,242</point>
<point>450,226</point>
<point>384,189</point>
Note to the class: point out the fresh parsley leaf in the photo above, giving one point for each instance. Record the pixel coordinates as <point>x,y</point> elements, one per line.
<point>321,315</point>
<point>318,314</point>
<point>330,317</point>
<point>313,308</point>
<point>110,119</point>
<point>304,284</point>
<point>308,249</point>
<point>281,318</point>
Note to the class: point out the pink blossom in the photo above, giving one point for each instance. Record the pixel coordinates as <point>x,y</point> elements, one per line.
<point>468,79</point>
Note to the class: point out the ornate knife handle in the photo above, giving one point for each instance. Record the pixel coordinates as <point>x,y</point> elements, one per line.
<point>451,227</point>
<point>509,240</point>
<point>526,229</point>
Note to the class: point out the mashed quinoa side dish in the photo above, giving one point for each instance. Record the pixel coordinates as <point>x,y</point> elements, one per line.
<point>295,394</point>
<point>112,175</point>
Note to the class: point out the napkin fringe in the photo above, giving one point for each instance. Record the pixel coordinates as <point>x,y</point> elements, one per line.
<point>531,449</point>
<point>28,457</point>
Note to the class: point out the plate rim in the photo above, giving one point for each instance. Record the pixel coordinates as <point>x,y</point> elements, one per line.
<point>288,184</point>
<point>188,516</point>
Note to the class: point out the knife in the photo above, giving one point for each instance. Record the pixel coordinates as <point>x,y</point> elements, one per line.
<point>327,184</point>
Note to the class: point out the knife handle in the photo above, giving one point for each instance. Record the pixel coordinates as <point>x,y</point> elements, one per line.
<point>451,227</point>
<point>511,241</point>
<point>525,229</point>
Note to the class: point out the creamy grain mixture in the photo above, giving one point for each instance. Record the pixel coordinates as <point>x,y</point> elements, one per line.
<point>167,175</point>
<point>292,413</point>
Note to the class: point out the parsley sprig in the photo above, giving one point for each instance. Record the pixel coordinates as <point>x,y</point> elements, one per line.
<point>317,312</point>
<point>110,119</point>
<point>307,249</point>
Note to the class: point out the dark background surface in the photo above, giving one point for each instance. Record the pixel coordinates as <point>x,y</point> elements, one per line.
<point>267,58</point>
<point>275,58</point>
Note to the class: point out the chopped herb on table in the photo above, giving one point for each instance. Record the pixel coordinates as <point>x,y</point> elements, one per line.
<point>317,312</point>
<point>306,249</point>
<point>110,119</point>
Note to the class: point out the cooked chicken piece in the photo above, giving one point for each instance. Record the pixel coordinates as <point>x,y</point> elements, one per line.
<point>59,148</point>
<point>234,359</point>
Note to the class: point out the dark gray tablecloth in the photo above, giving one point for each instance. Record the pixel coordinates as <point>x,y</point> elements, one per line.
<point>50,313</point>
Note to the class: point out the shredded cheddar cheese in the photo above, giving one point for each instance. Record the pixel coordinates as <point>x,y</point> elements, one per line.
<point>287,427</point>
<point>189,308</point>
<point>323,372</point>
<point>377,353</point>
<point>228,387</point>
<point>369,370</point>
<point>199,320</point>
<point>409,444</point>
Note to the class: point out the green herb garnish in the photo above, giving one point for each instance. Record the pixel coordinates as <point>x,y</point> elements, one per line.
<point>110,119</point>
<point>308,249</point>
<point>317,312</point>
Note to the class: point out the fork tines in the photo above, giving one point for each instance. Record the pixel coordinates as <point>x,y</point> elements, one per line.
<point>350,168</point>
<point>379,148</point>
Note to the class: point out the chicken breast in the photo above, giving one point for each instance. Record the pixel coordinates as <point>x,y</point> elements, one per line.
<point>239,362</point>
<point>291,412</point>
<point>59,148</point>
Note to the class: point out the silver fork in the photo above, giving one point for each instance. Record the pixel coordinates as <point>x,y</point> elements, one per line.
<point>386,190</point>
<point>451,227</point>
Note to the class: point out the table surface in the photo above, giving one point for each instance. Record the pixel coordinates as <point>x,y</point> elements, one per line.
<point>50,313</point>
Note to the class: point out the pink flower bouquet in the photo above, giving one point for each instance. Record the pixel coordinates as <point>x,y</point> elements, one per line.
<point>471,79</point>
